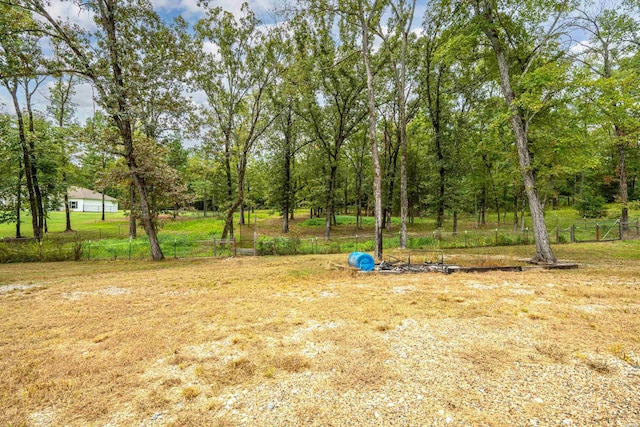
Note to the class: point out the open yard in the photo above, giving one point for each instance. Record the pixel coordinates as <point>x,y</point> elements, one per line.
<point>305,341</point>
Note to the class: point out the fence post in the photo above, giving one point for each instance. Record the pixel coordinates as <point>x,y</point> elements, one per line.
<point>573,233</point>
<point>215,247</point>
<point>129,248</point>
<point>175,243</point>
<point>496,237</point>
<point>356,243</point>
<point>621,229</point>
<point>255,243</point>
<point>466,239</point>
<point>637,228</point>
<point>234,246</point>
<point>527,235</point>
<point>89,252</point>
<point>597,232</point>
<point>557,233</point>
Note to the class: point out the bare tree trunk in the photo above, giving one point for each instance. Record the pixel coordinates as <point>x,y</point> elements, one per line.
<point>133,224</point>
<point>329,200</point>
<point>26,159</point>
<point>228,225</point>
<point>377,176</point>
<point>622,174</point>
<point>515,212</point>
<point>204,201</point>
<point>141,190</point>
<point>32,153</point>
<point>287,176</point>
<point>19,200</point>
<point>402,112</point>
<point>67,213</point>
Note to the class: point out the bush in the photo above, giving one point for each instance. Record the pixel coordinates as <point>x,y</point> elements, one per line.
<point>278,246</point>
<point>591,205</point>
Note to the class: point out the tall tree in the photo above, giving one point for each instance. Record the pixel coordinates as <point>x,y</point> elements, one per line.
<point>397,47</point>
<point>11,175</point>
<point>612,80</point>
<point>61,109</point>
<point>333,104</point>
<point>236,78</point>
<point>522,44</point>
<point>20,61</point>
<point>110,58</point>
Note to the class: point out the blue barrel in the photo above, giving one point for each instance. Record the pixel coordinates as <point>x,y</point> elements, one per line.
<point>361,260</point>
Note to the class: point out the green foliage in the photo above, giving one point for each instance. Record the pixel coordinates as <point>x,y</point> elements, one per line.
<point>591,204</point>
<point>344,220</point>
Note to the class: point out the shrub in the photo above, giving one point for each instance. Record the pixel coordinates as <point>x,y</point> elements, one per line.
<point>591,205</point>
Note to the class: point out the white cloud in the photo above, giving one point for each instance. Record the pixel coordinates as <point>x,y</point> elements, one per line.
<point>186,8</point>
<point>580,47</point>
<point>70,11</point>
<point>212,48</point>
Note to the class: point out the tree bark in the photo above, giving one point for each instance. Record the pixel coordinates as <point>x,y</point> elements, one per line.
<point>329,201</point>
<point>133,224</point>
<point>373,140</point>
<point>26,160</point>
<point>622,175</point>
<point>67,213</point>
<point>32,155</point>
<point>123,121</point>
<point>19,200</point>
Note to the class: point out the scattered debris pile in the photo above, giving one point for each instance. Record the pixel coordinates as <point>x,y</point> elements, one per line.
<point>426,267</point>
<point>396,266</point>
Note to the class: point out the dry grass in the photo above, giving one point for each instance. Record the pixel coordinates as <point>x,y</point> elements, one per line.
<point>247,341</point>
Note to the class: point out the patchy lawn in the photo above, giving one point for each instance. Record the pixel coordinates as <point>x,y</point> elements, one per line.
<point>284,341</point>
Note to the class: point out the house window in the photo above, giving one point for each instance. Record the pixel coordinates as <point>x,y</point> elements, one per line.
<point>73,204</point>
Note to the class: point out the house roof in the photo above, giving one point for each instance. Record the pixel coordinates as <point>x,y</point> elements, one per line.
<point>85,193</point>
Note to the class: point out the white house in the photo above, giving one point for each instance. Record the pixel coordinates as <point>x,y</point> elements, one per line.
<point>85,200</point>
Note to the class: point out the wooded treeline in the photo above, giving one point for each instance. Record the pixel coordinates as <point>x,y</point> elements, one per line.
<point>341,104</point>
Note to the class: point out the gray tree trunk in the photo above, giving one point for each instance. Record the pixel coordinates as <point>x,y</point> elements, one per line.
<point>544,254</point>
<point>377,175</point>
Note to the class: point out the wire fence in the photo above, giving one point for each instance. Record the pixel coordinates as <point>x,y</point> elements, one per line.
<point>67,246</point>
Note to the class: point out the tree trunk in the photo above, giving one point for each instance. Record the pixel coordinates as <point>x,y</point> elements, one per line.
<point>133,224</point>
<point>377,178</point>
<point>287,177</point>
<point>32,155</point>
<point>622,174</point>
<point>141,189</point>
<point>19,200</point>
<point>26,159</point>
<point>402,113</point>
<point>67,213</point>
<point>455,222</point>
<point>544,254</point>
<point>204,201</point>
<point>515,212</point>
<point>483,207</point>
<point>228,225</point>
<point>329,201</point>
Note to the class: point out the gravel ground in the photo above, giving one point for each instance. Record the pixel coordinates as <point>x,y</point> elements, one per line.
<point>302,345</point>
<point>445,372</point>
